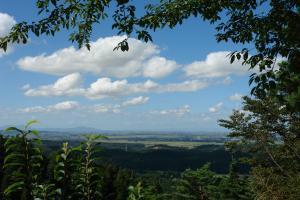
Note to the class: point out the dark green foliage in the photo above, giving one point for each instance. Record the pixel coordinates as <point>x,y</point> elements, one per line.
<point>142,159</point>
<point>26,176</point>
<point>197,184</point>
<point>45,192</point>
<point>2,175</point>
<point>88,180</point>
<point>135,192</point>
<point>269,130</point>
<point>235,186</point>
<point>163,159</point>
<point>155,186</point>
<point>65,171</point>
<point>115,182</point>
<point>284,85</point>
<point>76,173</point>
<point>22,162</point>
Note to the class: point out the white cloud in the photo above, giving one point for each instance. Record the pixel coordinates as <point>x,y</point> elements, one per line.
<point>105,87</point>
<point>216,64</point>
<point>66,105</point>
<point>71,105</point>
<point>186,86</point>
<point>136,101</point>
<point>62,106</point>
<point>6,23</point>
<point>236,97</point>
<point>107,108</point>
<point>158,67</point>
<point>25,87</point>
<point>142,59</point>
<point>65,86</point>
<point>70,85</point>
<point>179,112</point>
<point>216,108</point>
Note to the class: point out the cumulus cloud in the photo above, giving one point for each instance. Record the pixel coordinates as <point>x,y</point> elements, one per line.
<point>117,108</point>
<point>158,67</point>
<point>72,105</point>
<point>136,101</point>
<point>70,85</point>
<point>236,97</point>
<point>62,106</point>
<point>186,86</point>
<point>216,64</point>
<point>66,86</point>
<point>66,105</point>
<point>142,59</point>
<point>107,108</point>
<point>216,108</point>
<point>179,112</point>
<point>6,23</point>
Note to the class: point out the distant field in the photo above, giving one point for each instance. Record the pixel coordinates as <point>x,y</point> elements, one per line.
<point>146,139</point>
<point>147,143</point>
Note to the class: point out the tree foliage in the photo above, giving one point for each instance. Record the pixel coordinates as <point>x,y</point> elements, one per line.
<point>22,162</point>
<point>135,192</point>
<point>197,184</point>
<point>66,164</point>
<point>235,186</point>
<point>75,173</point>
<point>267,127</point>
<point>269,131</point>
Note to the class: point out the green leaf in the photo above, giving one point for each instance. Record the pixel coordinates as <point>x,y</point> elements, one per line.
<point>11,147</point>
<point>13,129</point>
<point>13,156</point>
<point>12,165</point>
<point>245,55</point>
<point>30,123</point>
<point>13,187</point>
<point>232,59</point>
<point>34,132</point>
<point>53,2</point>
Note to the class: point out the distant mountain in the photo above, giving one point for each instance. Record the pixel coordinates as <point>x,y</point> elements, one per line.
<point>80,129</point>
<point>85,130</point>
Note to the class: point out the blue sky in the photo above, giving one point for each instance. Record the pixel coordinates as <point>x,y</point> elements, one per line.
<point>182,81</point>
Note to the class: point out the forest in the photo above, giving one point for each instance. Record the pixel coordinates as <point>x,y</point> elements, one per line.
<point>76,172</point>
<point>84,170</point>
<point>261,158</point>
